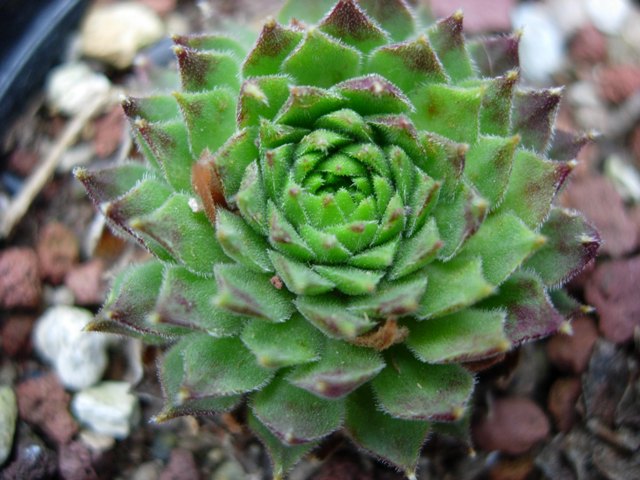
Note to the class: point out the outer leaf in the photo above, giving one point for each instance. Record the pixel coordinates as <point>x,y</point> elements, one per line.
<point>209,116</point>
<point>284,344</point>
<point>394,16</point>
<point>211,368</point>
<point>350,24</point>
<point>453,286</point>
<point>572,243</point>
<point>530,314</point>
<point>417,251</point>
<point>413,390</point>
<point>407,64</point>
<point>248,293</point>
<point>274,44</point>
<point>534,113</point>
<point>465,336</point>
<point>185,300</point>
<point>503,242</point>
<point>232,160</point>
<point>448,40</point>
<point>283,457</point>
<point>373,94</point>
<point>261,97</point>
<point>284,410</point>
<point>321,61</point>
<point>488,166</point>
<point>299,278</point>
<point>111,182</point>
<point>449,111</point>
<point>496,55</point>
<point>186,234</point>
<point>172,371</point>
<point>391,439</point>
<point>341,369</point>
<point>533,185</point>
<point>306,104</point>
<point>351,280</point>
<point>495,115</point>
<point>203,70</point>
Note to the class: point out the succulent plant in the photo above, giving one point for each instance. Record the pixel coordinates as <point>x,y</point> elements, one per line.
<point>345,220</point>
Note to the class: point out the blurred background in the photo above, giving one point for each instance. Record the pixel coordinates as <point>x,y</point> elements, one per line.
<point>566,408</point>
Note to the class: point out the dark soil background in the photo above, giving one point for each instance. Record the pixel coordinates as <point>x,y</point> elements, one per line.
<point>564,408</point>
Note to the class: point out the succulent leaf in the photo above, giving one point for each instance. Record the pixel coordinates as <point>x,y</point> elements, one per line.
<point>342,219</point>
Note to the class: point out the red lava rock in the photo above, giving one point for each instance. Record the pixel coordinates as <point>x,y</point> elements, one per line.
<point>20,285</point>
<point>22,162</point>
<point>613,291</point>
<point>87,283</point>
<point>477,17</point>
<point>571,352</point>
<point>15,335</point>
<point>598,199</point>
<point>589,45</point>
<point>181,466</point>
<point>57,250</point>
<point>562,402</point>
<point>513,425</point>
<point>619,82</point>
<point>74,462</point>
<point>109,132</point>
<point>161,7</point>
<point>43,402</point>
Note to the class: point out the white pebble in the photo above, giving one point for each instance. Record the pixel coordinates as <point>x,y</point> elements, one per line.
<point>115,32</point>
<point>79,357</point>
<point>71,86</point>
<point>624,176</point>
<point>8,416</point>
<point>542,43</point>
<point>608,16</point>
<point>107,409</point>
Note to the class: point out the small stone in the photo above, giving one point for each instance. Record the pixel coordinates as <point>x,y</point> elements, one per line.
<point>96,442</point>
<point>477,17</point>
<point>79,357</point>
<point>561,403</point>
<point>571,353</point>
<point>513,425</point>
<point>57,251</point>
<point>74,462</point>
<point>147,471</point>
<point>22,162</point>
<point>33,460</point>
<point>569,15</point>
<point>161,7</point>
<point>15,335</point>
<point>608,15</point>
<point>605,382</point>
<point>109,132</point>
<point>76,156</point>
<point>71,86</point>
<point>20,285</point>
<point>613,291</point>
<point>518,468</point>
<point>43,402</point>
<point>115,32</point>
<point>625,178</point>
<point>108,408</point>
<point>57,296</point>
<point>542,44</point>
<point>601,204</point>
<point>8,416</point>
<point>619,82</point>
<point>87,283</point>
<point>181,466</point>
<point>589,45</point>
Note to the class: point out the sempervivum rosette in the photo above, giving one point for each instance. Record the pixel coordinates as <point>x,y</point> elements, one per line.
<point>342,219</point>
